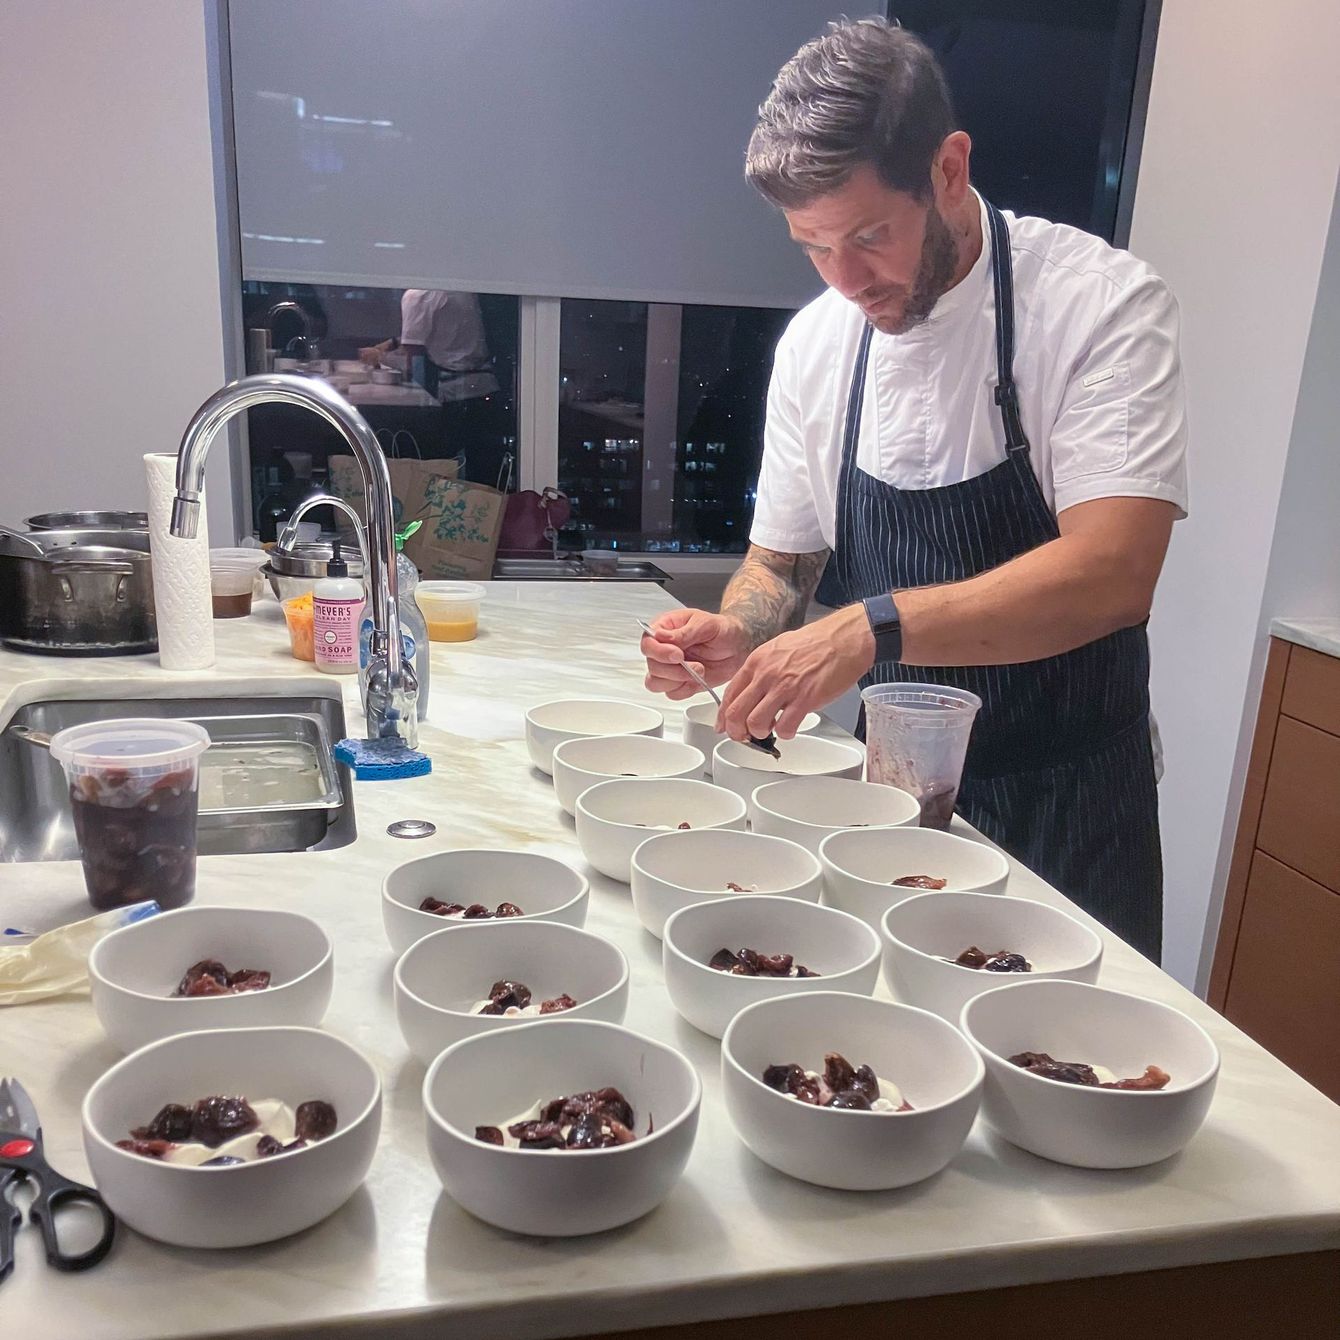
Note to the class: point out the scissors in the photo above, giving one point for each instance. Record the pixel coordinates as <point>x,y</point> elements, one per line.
<point>22,1160</point>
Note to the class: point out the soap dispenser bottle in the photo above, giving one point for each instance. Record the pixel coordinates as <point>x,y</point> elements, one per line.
<point>337,601</point>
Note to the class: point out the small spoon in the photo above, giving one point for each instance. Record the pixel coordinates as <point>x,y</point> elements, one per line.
<point>40,738</point>
<point>767,744</point>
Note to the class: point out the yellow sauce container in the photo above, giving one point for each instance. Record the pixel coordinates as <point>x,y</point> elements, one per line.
<point>450,609</point>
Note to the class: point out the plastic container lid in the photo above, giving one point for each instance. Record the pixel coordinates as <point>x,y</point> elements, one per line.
<point>231,576</point>
<point>256,558</point>
<point>449,593</point>
<point>134,743</point>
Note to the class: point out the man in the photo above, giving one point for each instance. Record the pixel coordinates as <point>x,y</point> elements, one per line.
<point>980,426</point>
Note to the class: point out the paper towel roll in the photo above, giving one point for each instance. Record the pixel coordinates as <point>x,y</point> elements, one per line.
<point>182,601</point>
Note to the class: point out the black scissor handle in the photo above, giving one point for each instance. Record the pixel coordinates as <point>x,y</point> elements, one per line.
<point>10,1218</point>
<point>55,1192</point>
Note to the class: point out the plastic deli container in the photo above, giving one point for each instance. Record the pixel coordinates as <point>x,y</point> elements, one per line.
<point>232,586</point>
<point>134,792</point>
<point>450,609</point>
<point>252,555</point>
<point>300,617</point>
<point>916,737</point>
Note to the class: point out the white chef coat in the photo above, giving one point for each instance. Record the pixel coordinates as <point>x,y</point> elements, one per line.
<point>1096,362</point>
<point>448,325</point>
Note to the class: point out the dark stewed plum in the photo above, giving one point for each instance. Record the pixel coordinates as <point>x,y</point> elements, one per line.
<point>173,1123</point>
<point>558,1003</point>
<point>490,1135</point>
<point>210,978</point>
<point>842,1085</point>
<point>1077,1072</point>
<point>314,1120</point>
<point>220,1118</point>
<point>842,1077</point>
<point>267,1146</point>
<point>538,1134</point>
<point>508,910</point>
<point>248,979</point>
<point>919,882</point>
<point>1003,960</point>
<point>221,1161</point>
<point>507,995</point>
<point>149,1149</point>
<point>850,1100</point>
<point>596,1119</point>
<point>440,909</point>
<point>474,912</point>
<point>751,963</point>
<point>792,1079</point>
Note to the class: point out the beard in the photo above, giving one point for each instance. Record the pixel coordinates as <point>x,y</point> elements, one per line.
<point>933,279</point>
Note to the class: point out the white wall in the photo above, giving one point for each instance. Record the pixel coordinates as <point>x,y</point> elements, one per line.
<point>109,268</point>
<point>1237,178</point>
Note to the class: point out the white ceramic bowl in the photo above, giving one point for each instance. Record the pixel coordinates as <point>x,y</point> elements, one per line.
<point>700,727</point>
<point>675,870</point>
<point>744,769</point>
<point>922,932</point>
<point>441,977</point>
<point>549,724</point>
<point>929,1060</point>
<point>1072,1021</point>
<point>581,764</point>
<point>808,809</point>
<point>860,865</point>
<point>133,972</point>
<point>489,1079</point>
<point>614,818</point>
<point>544,889</point>
<point>841,948</point>
<point>249,1203</point>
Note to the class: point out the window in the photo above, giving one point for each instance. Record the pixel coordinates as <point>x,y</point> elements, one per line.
<point>454,354</point>
<point>660,422</point>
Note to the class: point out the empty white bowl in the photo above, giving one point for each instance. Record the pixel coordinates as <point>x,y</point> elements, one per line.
<point>744,769</point>
<point>700,727</point>
<point>923,934</point>
<point>675,870</point>
<point>133,972</point>
<point>860,865</point>
<point>928,1059</point>
<point>808,809</point>
<point>252,1202</point>
<point>580,764</point>
<point>614,818</point>
<point>841,948</point>
<point>440,979</point>
<point>1072,1021</point>
<point>549,724</point>
<point>544,889</point>
<point>490,1079</point>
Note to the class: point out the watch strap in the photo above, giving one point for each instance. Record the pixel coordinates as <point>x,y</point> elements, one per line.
<point>887,627</point>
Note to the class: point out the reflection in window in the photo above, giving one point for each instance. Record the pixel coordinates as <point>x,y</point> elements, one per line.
<point>661,422</point>
<point>432,371</point>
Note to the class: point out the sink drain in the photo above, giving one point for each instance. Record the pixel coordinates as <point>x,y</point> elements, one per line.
<point>411,828</point>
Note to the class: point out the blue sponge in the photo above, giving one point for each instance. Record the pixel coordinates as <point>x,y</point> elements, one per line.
<point>382,760</point>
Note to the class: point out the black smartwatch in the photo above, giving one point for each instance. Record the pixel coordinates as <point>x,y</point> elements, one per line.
<point>886,626</point>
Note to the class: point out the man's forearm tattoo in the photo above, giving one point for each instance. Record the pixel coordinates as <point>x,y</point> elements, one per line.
<point>770,592</point>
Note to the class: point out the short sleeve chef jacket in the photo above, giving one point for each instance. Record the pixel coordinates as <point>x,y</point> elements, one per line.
<point>1096,362</point>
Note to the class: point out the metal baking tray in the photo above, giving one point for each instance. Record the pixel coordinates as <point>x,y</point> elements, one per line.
<point>272,776</point>
<point>573,569</point>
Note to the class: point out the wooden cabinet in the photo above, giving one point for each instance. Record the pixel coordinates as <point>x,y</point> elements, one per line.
<point>1277,960</point>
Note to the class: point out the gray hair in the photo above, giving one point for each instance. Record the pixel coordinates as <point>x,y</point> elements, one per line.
<point>866,92</point>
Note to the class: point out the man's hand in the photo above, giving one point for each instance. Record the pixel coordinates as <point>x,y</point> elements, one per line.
<point>715,645</point>
<point>371,355</point>
<point>796,673</point>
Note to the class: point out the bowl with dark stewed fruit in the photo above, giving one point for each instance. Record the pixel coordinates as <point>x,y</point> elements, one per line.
<point>466,980</point>
<point>614,818</point>
<point>232,1137</point>
<point>725,954</point>
<point>808,809</point>
<point>1089,1076</point>
<point>561,1128</point>
<point>847,1091</point>
<point>583,763</point>
<point>868,870</point>
<point>474,885</point>
<point>674,870</point>
<point>941,949</point>
<point>209,967</point>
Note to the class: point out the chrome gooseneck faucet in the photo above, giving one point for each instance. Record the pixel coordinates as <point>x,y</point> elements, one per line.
<point>392,690</point>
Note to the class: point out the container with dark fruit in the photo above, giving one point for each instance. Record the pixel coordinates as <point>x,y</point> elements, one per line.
<point>134,793</point>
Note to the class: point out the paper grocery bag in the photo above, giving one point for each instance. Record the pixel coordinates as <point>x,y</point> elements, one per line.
<point>409,479</point>
<point>461,524</point>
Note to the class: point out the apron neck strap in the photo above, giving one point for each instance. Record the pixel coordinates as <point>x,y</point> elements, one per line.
<point>1002,274</point>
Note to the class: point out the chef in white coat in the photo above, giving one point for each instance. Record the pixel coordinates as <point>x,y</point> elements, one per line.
<point>979,430</point>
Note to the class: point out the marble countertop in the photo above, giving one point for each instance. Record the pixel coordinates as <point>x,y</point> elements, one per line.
<point>734,1238</point>
<point>1320,634</point>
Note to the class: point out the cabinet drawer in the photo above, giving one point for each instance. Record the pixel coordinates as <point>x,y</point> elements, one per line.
<point>1312,689</point>
<point>1300,819</point>
<point>1285,987</point>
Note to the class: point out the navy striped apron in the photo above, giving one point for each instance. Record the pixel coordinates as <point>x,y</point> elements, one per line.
<point>1060,768</point>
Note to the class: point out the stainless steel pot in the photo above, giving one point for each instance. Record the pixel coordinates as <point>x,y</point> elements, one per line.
<point>89,521</point>
<point>82,597</point>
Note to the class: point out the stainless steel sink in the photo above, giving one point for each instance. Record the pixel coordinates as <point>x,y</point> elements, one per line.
<point>573,569</point>
<point>310,811</point>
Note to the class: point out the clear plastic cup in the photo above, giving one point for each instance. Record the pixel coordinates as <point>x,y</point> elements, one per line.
<point>232,586</point>
<point>134,792</point>
<point>450,609</point>
<point>916,737</point>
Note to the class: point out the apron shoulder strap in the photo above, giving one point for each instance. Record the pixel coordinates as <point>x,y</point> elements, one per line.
<point>1002,272</point>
